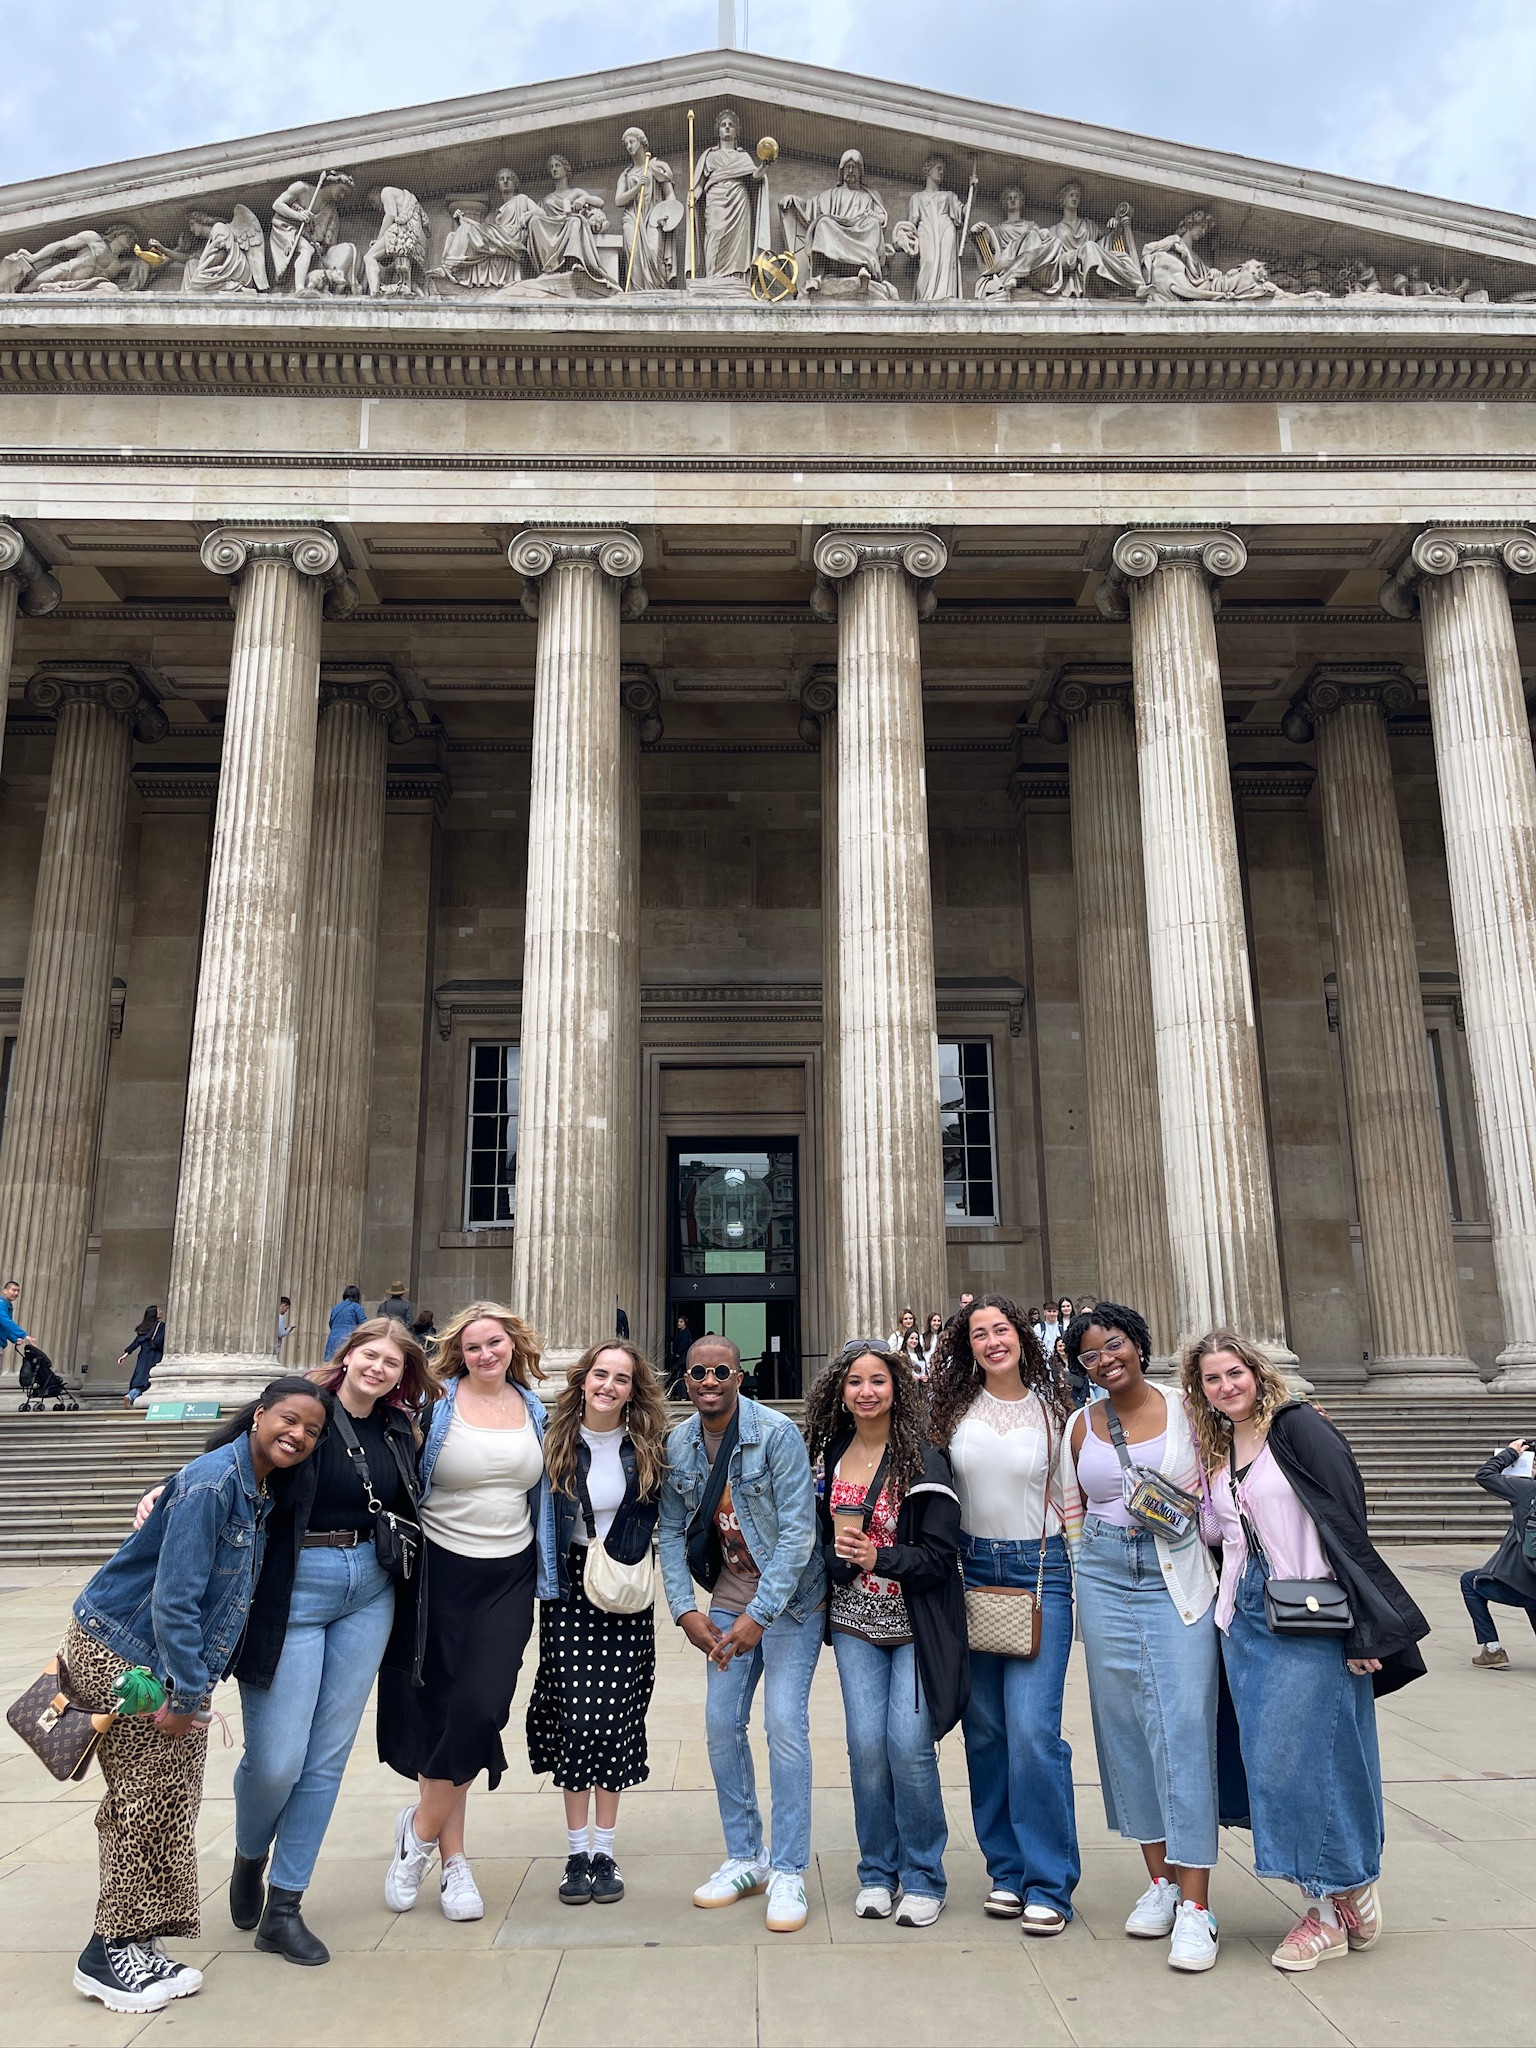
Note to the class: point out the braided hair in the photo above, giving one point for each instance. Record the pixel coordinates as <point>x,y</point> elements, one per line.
<point>826,1419</point>
<point>956,1378</point>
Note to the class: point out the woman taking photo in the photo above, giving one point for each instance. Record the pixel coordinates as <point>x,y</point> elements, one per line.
<point>489,1544</point>
<point>1001,1412</point>
<point>319,1624</point>
<point>889,1520</point>
<point>175,1598</point>
<point>1145,1592</point>
<point>1289,1505</point>
<point>604,1457</point>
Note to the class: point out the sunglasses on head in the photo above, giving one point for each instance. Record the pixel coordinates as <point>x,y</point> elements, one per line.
<point>700,1373</point>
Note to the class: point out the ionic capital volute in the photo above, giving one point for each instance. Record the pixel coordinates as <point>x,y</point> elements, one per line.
<point>1215,552</point>
<point>310,550</point>
<point>1077,690</point>
<point>37,591</point>
<point>839,555</point>
<point>640,693</point>
<point>1441,550</point>
<point>1329,688</point>
<point>378,689</point>
<point>818,701</point>
<point>113,686</point>
<point>617,553</point>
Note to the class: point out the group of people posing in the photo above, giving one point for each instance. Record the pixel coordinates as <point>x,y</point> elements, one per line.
<point>411,1519</point>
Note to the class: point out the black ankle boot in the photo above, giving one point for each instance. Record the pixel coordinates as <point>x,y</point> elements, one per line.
<point>282,1931</point>
<point>247,1893</point>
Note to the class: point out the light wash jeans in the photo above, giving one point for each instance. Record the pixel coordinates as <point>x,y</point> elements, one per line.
<point>785,1661</point>
<point>299,1734</point>
<point>898,1808</point>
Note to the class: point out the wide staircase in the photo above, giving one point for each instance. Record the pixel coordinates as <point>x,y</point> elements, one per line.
<point>68,1483</point>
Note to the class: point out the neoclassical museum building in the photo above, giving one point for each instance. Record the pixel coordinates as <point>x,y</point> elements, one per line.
<point>738,693</point>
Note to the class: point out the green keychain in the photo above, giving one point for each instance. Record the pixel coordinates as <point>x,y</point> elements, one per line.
<point>138,1691</point>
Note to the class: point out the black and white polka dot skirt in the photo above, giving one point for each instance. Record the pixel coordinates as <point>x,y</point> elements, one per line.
<point>586,1717</point>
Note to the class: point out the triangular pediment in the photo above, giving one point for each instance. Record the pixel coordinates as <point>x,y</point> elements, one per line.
<point>234,216</point>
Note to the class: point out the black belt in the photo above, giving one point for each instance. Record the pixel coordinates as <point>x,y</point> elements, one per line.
<point>332,1539</point>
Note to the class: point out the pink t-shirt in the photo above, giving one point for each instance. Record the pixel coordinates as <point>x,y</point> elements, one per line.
<point>1287,1532</point>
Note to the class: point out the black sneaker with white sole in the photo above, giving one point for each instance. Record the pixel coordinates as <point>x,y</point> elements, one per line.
<point>607,1881</point>
<point>181,1977</point>
<point>124,1976</point>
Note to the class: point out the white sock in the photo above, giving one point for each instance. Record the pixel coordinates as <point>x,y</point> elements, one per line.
<point>577,1837</point>
<point>1327,1911</point>
<point>602,1840</point>
<point>1495,1644</point>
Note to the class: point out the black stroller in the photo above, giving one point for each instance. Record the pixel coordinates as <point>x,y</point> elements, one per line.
<point>40,1383</point>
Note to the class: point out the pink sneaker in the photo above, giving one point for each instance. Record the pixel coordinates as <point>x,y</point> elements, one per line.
<point>1310,1942</point>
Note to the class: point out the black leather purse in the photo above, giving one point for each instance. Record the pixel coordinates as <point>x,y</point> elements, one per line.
<point>1293,1607</point>
<point>396,1542</point>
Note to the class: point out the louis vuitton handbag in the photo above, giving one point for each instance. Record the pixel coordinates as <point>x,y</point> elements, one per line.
<point>61,1734</point>
<point>1004,1621</point>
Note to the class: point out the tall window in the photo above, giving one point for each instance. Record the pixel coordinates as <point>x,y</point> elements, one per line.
<point>969,1127</point>
<point>1443,1119</point>
<point>490,1192</point>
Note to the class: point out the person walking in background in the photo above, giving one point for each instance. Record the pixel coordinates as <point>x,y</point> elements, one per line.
<point>149,1343</point>
<point>345,1317</point>
<point>738,1517</point>
<point>424,1327</point>
<point>1507,1579</point>
<point>284,1324</point>
<point>445,1691</point>
<point>1288,1504</point>
<point>397,1304</point>
<point>889,1520</point>
<point>175,1599</point>
<point>678,1346</point>
<point>605,1458</point>
<point>1000,1410</point>
<point>1145,1593</point>
<point>11,1331</point>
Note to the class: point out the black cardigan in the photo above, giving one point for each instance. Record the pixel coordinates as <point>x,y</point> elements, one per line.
<point>925,1562</point>
<point>1326,1480</point>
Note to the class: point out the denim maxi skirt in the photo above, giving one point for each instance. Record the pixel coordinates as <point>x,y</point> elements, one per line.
<point>1152,1685</point>
<point>1308,1729</point>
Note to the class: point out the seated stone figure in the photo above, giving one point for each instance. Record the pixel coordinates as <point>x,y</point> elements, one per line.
<point>486,250</point>
<point>233,255</point>
<point>562,235</point>
<point>842,231</point>
<point>1174,270</point>
<point>95,260</point>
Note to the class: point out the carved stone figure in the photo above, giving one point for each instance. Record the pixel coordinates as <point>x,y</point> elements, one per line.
<point>484,253</point>
<point>1356,278</point>
<point>395,262</point>
<point>562,234</point>
<point>1174,270</point>
<point>92,261</point>
<point>338,274</point>
<point>1059,261</point>
<point>306,225</point>
<point>733,188</point>
<point>652,215</point>
<point>842,232</point>
<point>233,256</point>
<point>931,233</point>
<point>1412,284</point>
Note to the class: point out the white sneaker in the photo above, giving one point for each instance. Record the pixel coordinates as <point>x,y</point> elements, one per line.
<point>409,1865</point>
<point>874,1903</point>
<point>919,1909</point>
<point>458,1891</point>
<point>737,1878</point>
<point>1155,1911</point>
<point>786,1902</point>
<point>1195,1940</point>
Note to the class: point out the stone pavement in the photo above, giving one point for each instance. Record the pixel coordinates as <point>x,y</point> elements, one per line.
<point>1458,1962</point>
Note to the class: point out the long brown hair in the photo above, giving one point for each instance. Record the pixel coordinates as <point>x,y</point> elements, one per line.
<point>957,1379</point>
<point>419,1386</point>
<point>826,1417</point>
<point>1213,1432</point>
<point>645,1420</point>
<point>526,1343</point>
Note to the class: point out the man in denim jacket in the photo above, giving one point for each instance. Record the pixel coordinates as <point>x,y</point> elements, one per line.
<point>767,1586</point>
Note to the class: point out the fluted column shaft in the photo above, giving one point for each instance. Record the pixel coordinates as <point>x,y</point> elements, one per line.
<point>891,1161</point>
<point>833,1294</point>
<point>1405,1227</point>
<point>231,1203</point>
<point>580,952</point>
<point>1221,1220</point>
<point>328,1169</point>
<point>1488,802</point>
<point>1115,980</point>
<point>9,591</point>
<point>59,1071</point>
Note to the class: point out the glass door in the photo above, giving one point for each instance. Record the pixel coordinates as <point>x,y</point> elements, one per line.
<point>734,1264</point>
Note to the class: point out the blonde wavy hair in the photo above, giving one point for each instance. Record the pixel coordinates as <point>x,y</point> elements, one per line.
<point>527,1345</point>
<point>1213,1432</point>
<point>645,1420</point>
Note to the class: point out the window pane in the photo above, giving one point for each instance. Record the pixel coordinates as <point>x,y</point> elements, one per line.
<point>968,1130</point>
<point>490,1176</point>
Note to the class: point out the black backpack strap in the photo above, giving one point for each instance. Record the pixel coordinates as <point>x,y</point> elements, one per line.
<point>702,1551</point>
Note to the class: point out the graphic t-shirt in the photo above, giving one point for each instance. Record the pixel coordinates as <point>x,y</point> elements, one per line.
<point>737,1584</point>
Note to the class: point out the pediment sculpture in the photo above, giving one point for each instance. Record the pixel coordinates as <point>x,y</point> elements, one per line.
<point>842,235</point>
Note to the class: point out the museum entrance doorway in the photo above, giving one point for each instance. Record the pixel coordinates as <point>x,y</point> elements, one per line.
<point>733,1233</point>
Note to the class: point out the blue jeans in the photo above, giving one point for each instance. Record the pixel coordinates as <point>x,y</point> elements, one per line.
<point>1019,1764</point>
<point>299,1733</point>
<point>898,1808</point>
<point>1477,1589</point>
<point>785,1660</point>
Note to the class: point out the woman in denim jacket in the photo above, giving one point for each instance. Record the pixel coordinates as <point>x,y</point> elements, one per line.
<point>175,1599</point>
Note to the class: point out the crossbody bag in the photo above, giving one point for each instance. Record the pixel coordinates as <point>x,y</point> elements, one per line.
<point>1293,1607</point>
<point>1004,1621</point>
<point>613,1588</point>
<point>1153,1502</point>
<point>396,1542</point>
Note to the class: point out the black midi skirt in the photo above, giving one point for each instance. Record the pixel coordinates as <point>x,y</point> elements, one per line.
<point>586,1714</point>
<point>479,1619</point>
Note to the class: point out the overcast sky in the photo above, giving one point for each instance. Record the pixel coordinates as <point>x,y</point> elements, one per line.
<point>1423,94</point>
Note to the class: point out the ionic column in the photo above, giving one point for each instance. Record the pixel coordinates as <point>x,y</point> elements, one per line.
<point>27,587</point>
<point>232,1199</point>
<point>59,1070</point>
<point>1407,1249</point>
<point>567,1258</point>
<point>1221,1220</point>
<point>1457,578</point>
<point>818,727</point>
<point>891,1162</point>
<point>640,725</point>
<point>1115,983</point>
<point>328,1167</point>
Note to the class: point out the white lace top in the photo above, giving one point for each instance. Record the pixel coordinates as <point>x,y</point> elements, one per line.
<point>1001,1462</point>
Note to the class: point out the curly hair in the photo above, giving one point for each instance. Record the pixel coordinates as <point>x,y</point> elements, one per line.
<point>645,1420</point>
<point>826,1418</point>
<point>418,1386</point>
<point>1109,1315</point>
<point>957,1379</point>
<point>1213,1432</point>
<point>526,1343</point>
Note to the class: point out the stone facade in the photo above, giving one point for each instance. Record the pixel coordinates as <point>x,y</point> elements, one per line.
<point>976,698</point>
